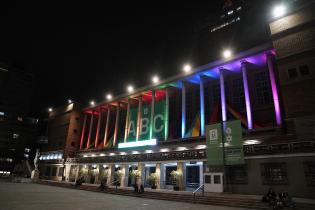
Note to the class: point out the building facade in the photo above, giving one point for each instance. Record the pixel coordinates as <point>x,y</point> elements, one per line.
<point>160,130</point>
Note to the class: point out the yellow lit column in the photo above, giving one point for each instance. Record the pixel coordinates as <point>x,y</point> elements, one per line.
<point>181,171</point>
<point>158,174</point>
<point>124,177</point>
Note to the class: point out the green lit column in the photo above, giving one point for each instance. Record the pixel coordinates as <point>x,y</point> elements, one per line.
<point>127,120</point>
<point>116,123</point>
<point>152,114</point>
<point>139,118</point>
<point>166,113</point>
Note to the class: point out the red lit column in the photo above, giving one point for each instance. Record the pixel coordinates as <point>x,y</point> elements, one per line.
<point>107,126</point>
<point>98,127</point>
<point>127,120</point>
<point>83,131</point>
<point>90,131</point>
<point>116,124</point>
<point>139,118</point>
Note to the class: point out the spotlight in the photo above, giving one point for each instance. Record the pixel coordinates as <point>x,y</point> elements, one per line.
<point>155,79</point>
<point>50,109</point>
<point>92,103</point>
<point>187,68</point>
<point>109,96</point>
<point>278,11</point>
<point>69,101</point>
<point>227,53</point>
<point>130,89</point>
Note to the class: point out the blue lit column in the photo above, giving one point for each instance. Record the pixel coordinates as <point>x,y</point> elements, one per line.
<point>166,123</point>
<point>127,120</point>
<point>247,97</point>
<point>202,107</point>
<point>222,90</point>
<point>183,109</point>
<point>152,113</point>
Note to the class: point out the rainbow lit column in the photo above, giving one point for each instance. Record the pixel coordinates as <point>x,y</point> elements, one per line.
<point>202,107</point>
<point>222,90</point>
<point>183,109</point>
<point>247,97</point>
<point>116,123</point>
<point>107,126</point>
<point>83,131</point>
<point>90,131</point>
<point>274,89</point>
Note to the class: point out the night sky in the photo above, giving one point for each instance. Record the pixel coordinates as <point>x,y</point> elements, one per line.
<point>84,51</point>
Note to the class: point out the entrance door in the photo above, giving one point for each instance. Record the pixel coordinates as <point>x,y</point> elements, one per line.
<point>192,176</point>
<point>213,182</point>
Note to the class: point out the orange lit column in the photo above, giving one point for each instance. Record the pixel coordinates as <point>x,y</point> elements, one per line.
<point>107,126</point>
<point>83,131</point>
<point>127,120</point>
<point>139,118</point>
<point>116,124</point>
<point>90,131</point>
<point>98,127</point>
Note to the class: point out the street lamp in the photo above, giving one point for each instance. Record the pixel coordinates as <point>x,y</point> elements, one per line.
<point>92,103</point>
<point>109,96</point>
<point>69,101</point>
<point>50,109</point>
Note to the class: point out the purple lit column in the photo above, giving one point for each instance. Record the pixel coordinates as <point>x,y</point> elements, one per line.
<point>202,107</point>
<point>183,109</point>
<point>247,97</point>
<point>223,101</point>
<point>274,89</point>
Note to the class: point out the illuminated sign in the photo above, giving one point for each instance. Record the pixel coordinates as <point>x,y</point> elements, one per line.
<point>141,143</point>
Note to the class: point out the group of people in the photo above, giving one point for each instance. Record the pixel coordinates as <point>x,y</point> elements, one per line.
<point>138,189</point>
<point>278,201</point>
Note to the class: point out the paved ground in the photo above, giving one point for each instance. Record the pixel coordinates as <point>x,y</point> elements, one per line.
<point>18,196</point>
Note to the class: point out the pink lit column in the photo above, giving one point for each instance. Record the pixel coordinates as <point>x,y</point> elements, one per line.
<point>274,89</point>
<point>90,131</point>
<point>139,118</point>
<point>222,91</point>
<point>98,128</point>
<point>247,97</point>
<point>83,131</point>
<point>127,121</point>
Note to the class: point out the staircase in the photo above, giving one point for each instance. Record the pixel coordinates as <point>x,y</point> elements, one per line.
<point>207,200</point>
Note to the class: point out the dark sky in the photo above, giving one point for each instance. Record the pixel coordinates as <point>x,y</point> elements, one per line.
<point>83,51</point>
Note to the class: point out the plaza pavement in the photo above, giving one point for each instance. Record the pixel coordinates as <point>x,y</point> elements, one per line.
<point>28,196</point>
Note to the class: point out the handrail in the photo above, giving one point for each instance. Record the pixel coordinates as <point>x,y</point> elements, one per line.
<point>196,190</point>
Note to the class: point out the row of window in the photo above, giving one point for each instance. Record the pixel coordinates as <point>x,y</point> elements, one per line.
<point>271,173</point>
<point>300,71</point>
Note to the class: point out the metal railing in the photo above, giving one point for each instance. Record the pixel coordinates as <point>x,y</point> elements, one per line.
<point>196,190</point>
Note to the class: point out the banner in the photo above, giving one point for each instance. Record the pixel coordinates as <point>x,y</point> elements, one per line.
<point>233,148</point>
<point>158,129</point>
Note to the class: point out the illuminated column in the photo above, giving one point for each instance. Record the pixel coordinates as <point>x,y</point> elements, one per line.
<point>166,113</point>
<point>107,126</point>
<point>181,171</point>
<point>98,128</point>
<point>183,109</point>
<point>202,108</point>
<point>116,124</point>
<point>158,174</point>
<point>109,173</point>
<point>223,101</point>
<point>124,175</point>
<point>152,113</point>
<point>90,131</point>
<point>274,89</point>
<point>83,131</point>
<point>127,120</point>
<point>247,97</point>
<point>139,118</point>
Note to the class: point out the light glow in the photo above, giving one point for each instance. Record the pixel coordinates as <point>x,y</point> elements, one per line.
<point>227,53</point>
<point>279,11</point>
<point>130,89</point>
<point>141,143</point>
<point>69,101</point>
<point>92,103</point>
<point>109,96</point>
<point>50,109</point>
<point>187,68</point>
<point>155,79</point>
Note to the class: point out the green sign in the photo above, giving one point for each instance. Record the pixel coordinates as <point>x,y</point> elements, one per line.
<point>158,129</point>
<point>233,148</point>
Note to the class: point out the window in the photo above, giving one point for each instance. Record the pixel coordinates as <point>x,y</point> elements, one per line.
<point>208,179</point>
<point>292,73</point>
<point>263,90</point>
<point>238,98</point>
<point>237,175</point>
<point>304,71</point>
<point>216,179</point>
<point>274,173</point>
<point>309,170</point>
